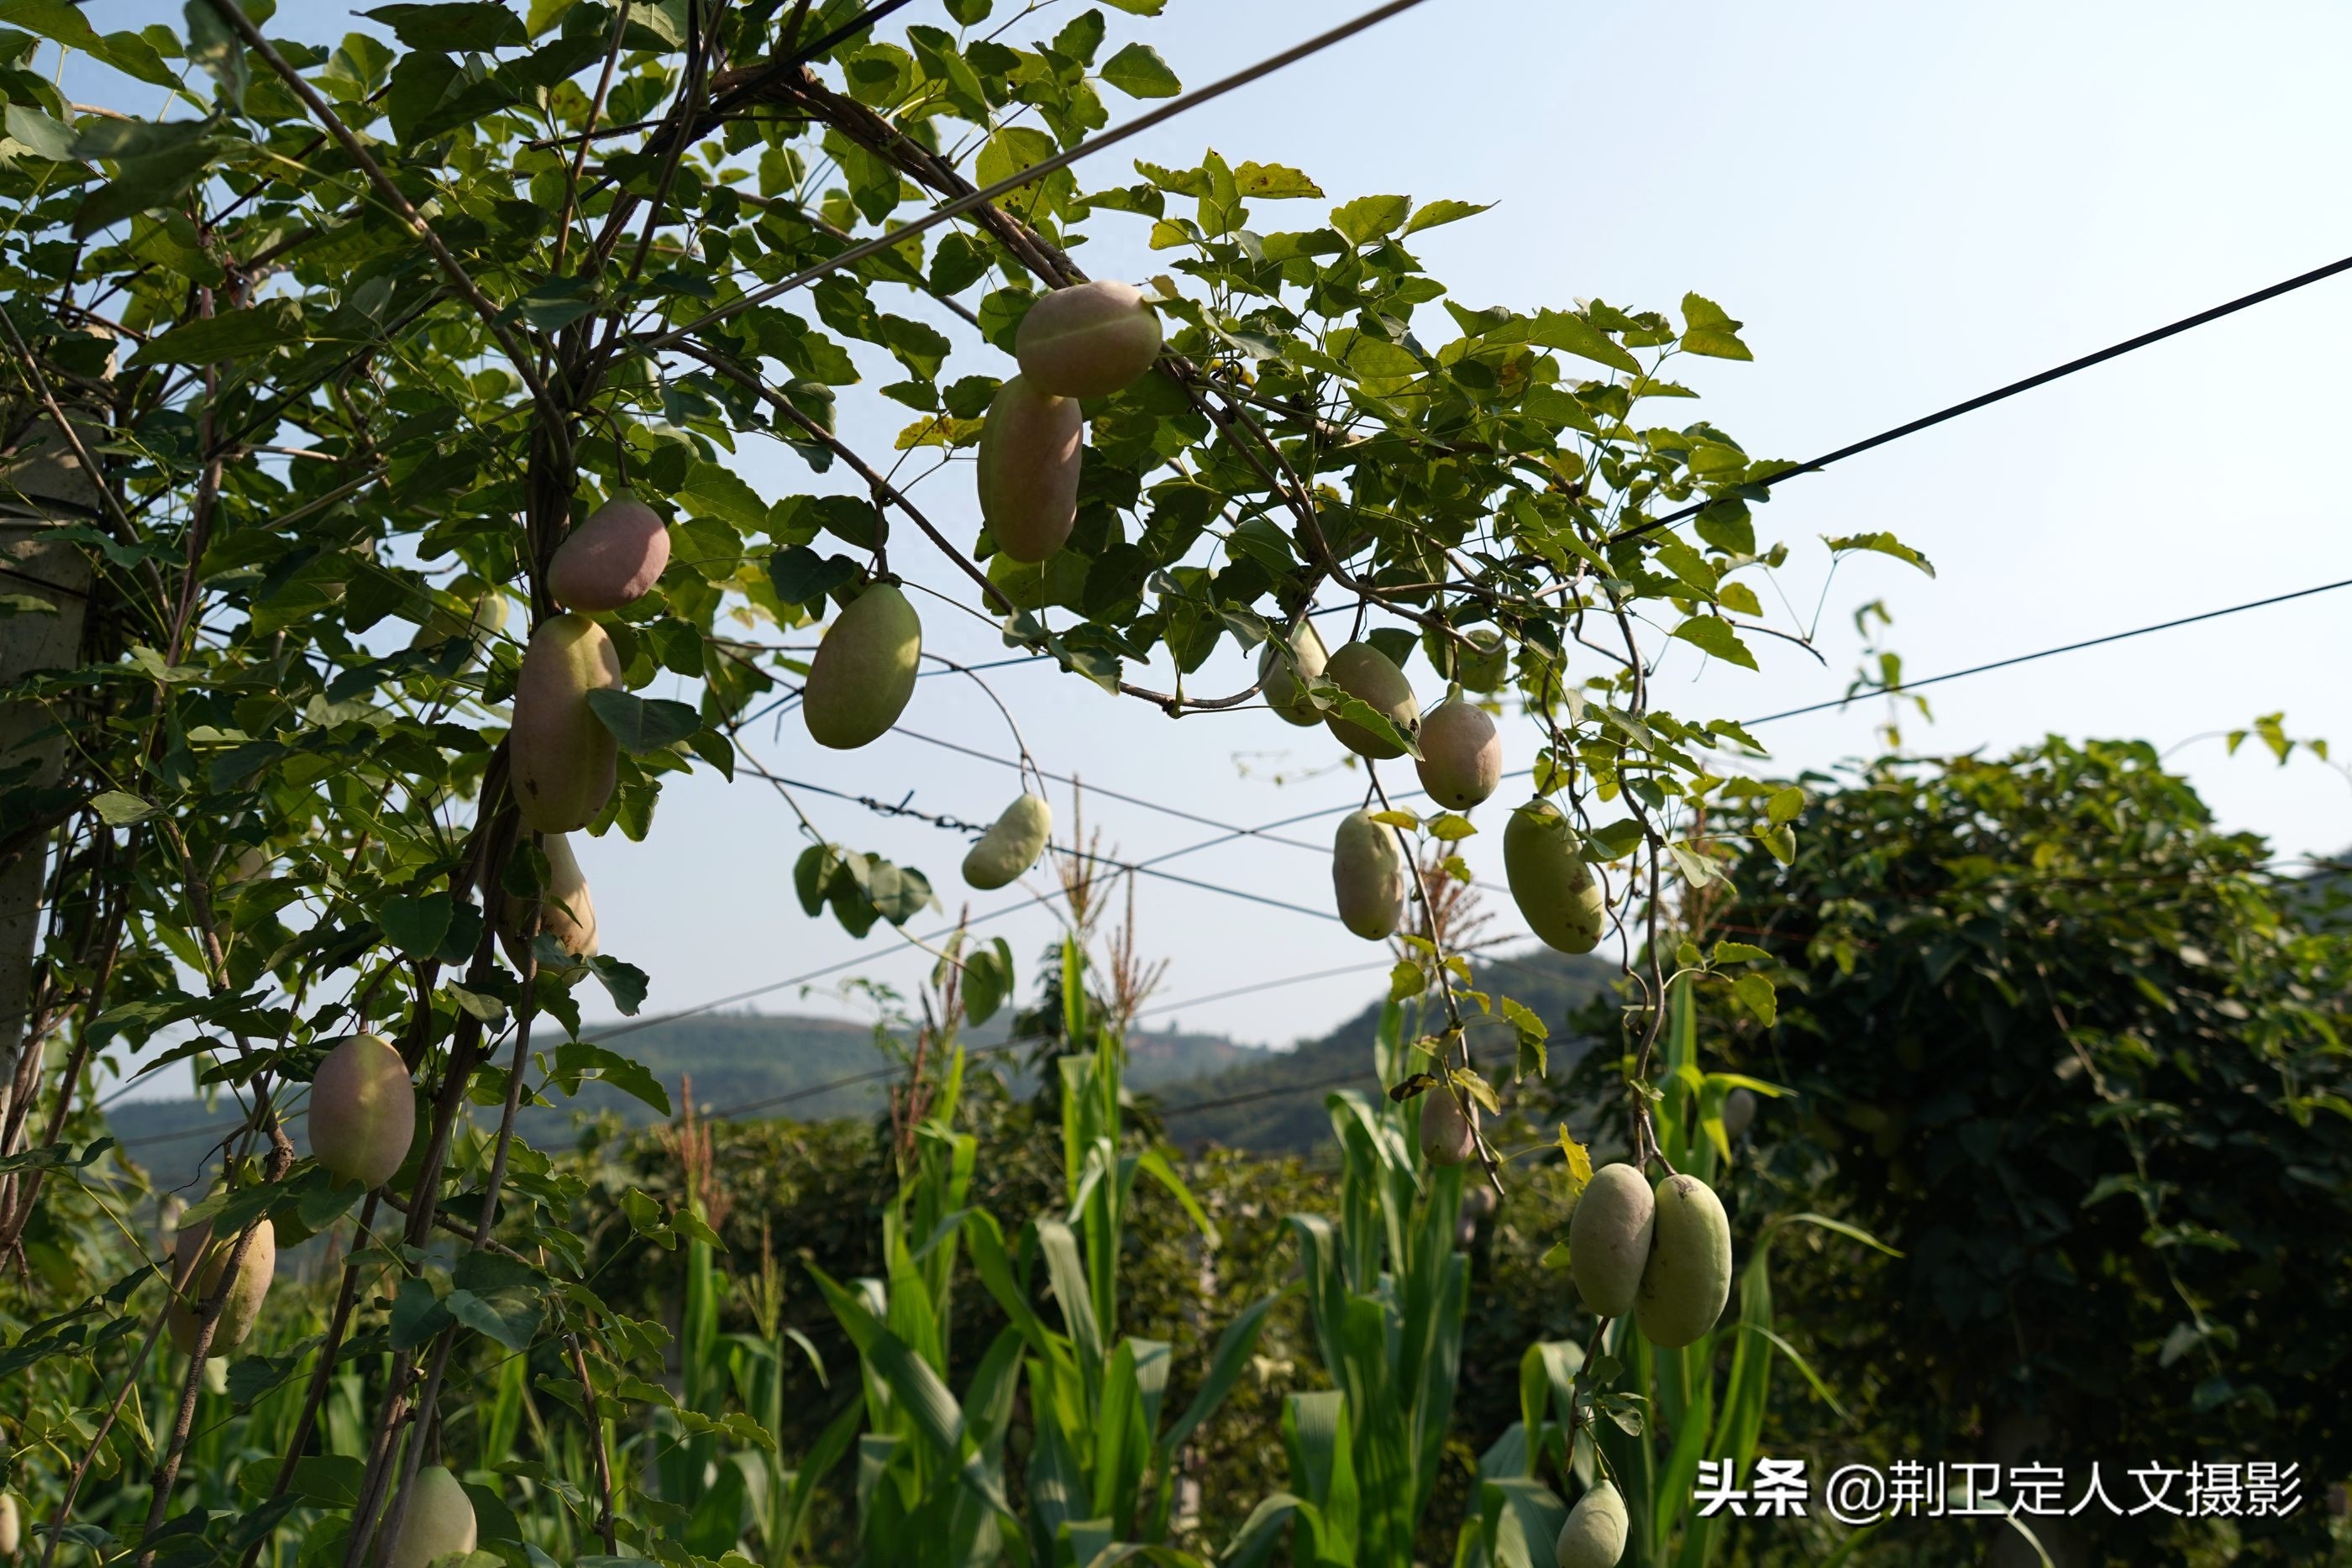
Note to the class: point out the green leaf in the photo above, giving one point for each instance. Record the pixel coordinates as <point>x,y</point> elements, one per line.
<point>1884,544</point>
<point>1575,335</point>
<point>803,577</point>
<point>1368,218</point>
<point>415,925</point>
<point>1755,993</point>
<point>988,978</point>
<point>1449,827</point>
<point>716,492</point>
<point>46,137</point>
<point>231,335</point>
<point>627,1074</point>
<point>623,982</point>
<point>1714,634</point>
<point>1708,331</point>
<point>1447,211</point>
<point>117,809</point>
<point>1138,71</point>
<point>467,24</point>
<point>1785,806</point>
<point>1736,953</point>
<point>644,723</point>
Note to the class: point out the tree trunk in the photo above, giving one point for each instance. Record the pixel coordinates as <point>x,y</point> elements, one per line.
<point>45,589</point>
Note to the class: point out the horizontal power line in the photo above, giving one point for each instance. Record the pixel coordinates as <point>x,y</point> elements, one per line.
<point>1986,400</point>
<point>1906,687</point>
<point>1164,811</point>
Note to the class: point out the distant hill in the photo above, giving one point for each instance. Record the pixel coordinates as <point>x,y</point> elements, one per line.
<point>1210,1089</point>
<point>748,1063</point>
<point>1274,1103</point>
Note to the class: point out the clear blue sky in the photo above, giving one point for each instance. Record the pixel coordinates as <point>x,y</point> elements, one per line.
<point>1906,205</point>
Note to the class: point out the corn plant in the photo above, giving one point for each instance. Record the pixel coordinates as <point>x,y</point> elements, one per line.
<point>1656,1414</point>
<point>1385,1290</point>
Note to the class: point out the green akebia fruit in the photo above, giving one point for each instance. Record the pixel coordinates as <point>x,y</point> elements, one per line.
<point>1363,672</point>
<point>1594,1534</point>
<point>436,1517</point>
<point>1283,673</point>
<point>1739,1113</point>
<point>1012,844</point>
<point>1088,341</point>
<point>864,670</point>
<point>1551,884</point>
<point>613,558</point>
<point>1609,1240</point>
<point>1689,1275</point>
<point>482,620</point>
<point>362,1111</point>
<point>1447,1136</point>
<point>1460,756</point>
<point>561,760</point>
<point>243,1304</point>
<point>1368,877</point>
<point>1029,464</point>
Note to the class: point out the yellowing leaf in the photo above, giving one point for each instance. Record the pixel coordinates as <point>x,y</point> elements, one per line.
<point>1579,1163</point>
<point>939,430</point>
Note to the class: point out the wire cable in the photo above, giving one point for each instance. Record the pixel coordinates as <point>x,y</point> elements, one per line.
<point>1037,171</point>
<point>1986,400</point>
<point>1908,687</point>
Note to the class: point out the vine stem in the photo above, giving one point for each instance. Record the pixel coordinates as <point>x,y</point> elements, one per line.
<point>332,123</point>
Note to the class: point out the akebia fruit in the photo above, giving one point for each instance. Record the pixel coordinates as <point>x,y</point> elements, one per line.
<point>437,1519</point>
<point>362,1111</point>
<point>612,558</point>
<point>566,912</point>
<point>1368,877</point>
<point>1447,1136</point>
<point>1011,845</point>
<point>1739,1113</point>
<point>561,759</point>
<point>480,622</point>
<point>1363,672</point>
<point>1088,339</point>
<point>1283,673</point>
<point>1609,1240</point>
<point>864,670</point>
<point>1594,1534</point>
<point>1461,755</point>
<point>1688,1278</point>
<point>243,1304</point>
<point>565,906</point>
<point>1550,884</point>
<point>12,1528</point>
<point>1029,470</point>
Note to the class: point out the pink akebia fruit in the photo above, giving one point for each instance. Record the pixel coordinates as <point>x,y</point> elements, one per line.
<point>1089,339</point>
<point>1029,470</point>
<point>612,558</point>
<point>363,1115</point>
<point>1460,756</point>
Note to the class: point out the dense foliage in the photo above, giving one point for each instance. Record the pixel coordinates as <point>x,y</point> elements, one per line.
<point>318,354</point>
<point>2080,1056</point>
